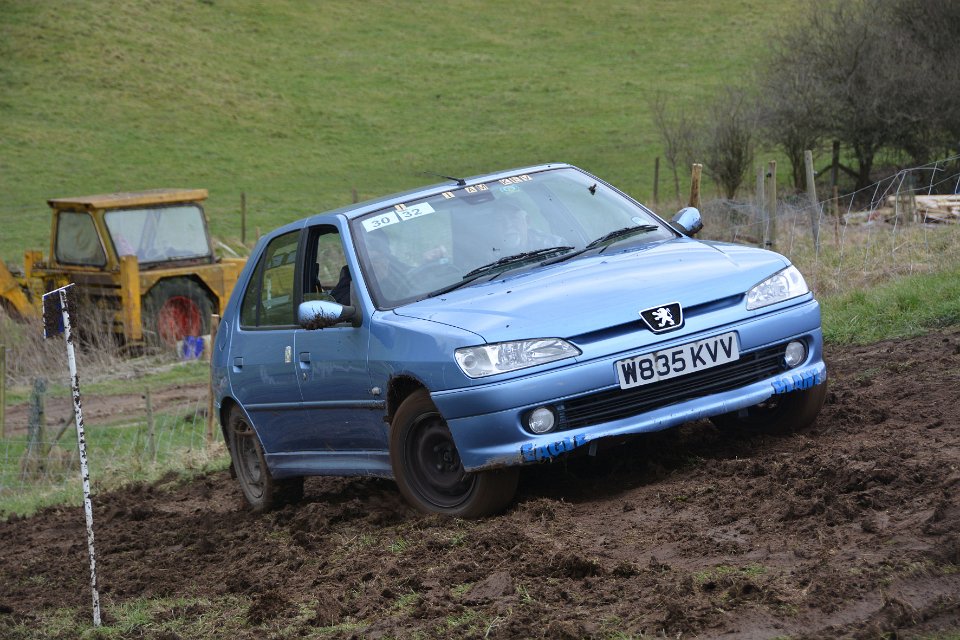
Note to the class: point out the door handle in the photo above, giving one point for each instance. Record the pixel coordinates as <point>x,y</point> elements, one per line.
<point>238,362</point>
<point>304,364</point>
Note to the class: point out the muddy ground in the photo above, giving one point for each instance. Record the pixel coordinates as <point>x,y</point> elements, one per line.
<point>848,529</point>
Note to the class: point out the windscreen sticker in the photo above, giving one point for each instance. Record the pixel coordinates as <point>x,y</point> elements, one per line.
<point>449,195</point>
<point>515,180</point>
<point>511,188</point>
<point>476,189</point>
<point>380,221</point>
<point>400,213</point>
<point>413,211</point>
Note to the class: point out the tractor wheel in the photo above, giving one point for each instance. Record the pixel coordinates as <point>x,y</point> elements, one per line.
<point>174,309</point>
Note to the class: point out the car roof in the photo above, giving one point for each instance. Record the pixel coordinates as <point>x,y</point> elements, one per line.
<point>360,209</point>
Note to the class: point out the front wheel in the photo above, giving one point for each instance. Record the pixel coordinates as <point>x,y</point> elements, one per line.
<point>259,487</point>
<point>428,470</point>
<point>780,413</point>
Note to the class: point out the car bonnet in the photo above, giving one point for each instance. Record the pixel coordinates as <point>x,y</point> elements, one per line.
<point>593,292</point>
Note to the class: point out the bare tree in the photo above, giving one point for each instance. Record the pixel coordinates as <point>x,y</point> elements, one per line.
<point>679,135</point>
<point>792,112</point>
<point>843,47</point>
<point>874,74</point>
<point>925,63</point>
<point>728,144</point>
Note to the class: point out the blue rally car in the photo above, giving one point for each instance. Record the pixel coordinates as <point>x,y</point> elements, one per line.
<point>447,336</point>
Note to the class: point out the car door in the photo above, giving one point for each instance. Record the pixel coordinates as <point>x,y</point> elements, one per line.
<point>342,410</point>
<point>263,370</point>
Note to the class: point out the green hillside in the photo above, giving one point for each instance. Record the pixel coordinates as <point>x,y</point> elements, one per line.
<point>298,103</point>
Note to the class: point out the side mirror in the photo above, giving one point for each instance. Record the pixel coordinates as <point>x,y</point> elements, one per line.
<point>687,221</point>
<point>317,314</point>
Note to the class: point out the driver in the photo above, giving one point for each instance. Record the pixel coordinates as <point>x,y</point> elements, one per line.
<point>386,270</point>
<point>515,233</point>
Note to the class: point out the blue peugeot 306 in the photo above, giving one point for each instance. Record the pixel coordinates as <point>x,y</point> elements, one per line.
<point>447,336</point>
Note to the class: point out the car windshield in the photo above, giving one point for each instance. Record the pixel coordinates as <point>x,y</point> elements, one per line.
<point>159,234</point>
<point>472,233</point>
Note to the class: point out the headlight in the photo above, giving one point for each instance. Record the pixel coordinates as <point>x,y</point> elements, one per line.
<point>781,286</point>
<point>489,359</point>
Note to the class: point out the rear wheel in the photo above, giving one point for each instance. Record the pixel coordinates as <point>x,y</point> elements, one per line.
<point>783,413</point>
<point>428,470</point>
<point>175,309</point>
<point>259,487</point>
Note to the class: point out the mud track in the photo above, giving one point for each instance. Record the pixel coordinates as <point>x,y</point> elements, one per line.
<point>848,529</point>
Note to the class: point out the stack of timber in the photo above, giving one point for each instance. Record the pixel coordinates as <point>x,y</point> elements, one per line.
<point>933,208</point>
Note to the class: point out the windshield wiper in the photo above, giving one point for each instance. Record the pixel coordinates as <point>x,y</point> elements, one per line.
<point>503,264</point>
<point>621,233</point>
<point>519,258</point>
<point>607,239</point>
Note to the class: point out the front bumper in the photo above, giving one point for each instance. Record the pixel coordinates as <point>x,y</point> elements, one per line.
<point>485,421</point>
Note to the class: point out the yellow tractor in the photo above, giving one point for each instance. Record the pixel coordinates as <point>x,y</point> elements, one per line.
<point>145,257</point>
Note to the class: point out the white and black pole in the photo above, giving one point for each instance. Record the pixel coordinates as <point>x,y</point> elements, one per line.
<point>56,319</point>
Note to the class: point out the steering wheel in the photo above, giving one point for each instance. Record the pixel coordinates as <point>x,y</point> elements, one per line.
<point>440,271</point>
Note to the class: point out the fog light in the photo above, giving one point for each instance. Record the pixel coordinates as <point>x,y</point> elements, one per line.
<point>795,354</point>
<point>541,420</point>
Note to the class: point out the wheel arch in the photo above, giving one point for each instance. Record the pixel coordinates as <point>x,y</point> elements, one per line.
<point>399,389</point>
<point>192,277</point>
<point>226,405</point>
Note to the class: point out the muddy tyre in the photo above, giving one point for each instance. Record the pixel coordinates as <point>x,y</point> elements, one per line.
<point>428,470</point>
<point>174,309</point>
<point>260,489</point>
<point>780,414</point>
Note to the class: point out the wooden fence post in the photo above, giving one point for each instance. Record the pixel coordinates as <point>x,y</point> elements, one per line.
<point>911,199</point>
<point>3,390</point>
<point>812,196</point>
<point>214,326</point>
<point>656,180</point>
<point>695,172</point>
<point>836,215</point>
<point>151,442</point>
<point>243,218</point>
<point>770,235</point>
<point>32,463</point>
<point>760,217</point>
<point>835,164</point>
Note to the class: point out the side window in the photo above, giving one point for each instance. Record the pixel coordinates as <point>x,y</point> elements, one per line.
<point>269,298</point>
<point>77,240</point>
<point>326,275</point>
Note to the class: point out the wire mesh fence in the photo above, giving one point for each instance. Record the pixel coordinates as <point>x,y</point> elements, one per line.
<point>40,466</point>
<point>905,224</point>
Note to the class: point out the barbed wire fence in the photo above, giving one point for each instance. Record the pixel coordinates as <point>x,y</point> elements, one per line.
<point>897,226</point>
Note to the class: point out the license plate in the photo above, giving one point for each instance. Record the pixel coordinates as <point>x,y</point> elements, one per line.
<point>678,361</point>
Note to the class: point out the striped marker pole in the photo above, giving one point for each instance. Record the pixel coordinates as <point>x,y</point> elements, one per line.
<point>51,301</point>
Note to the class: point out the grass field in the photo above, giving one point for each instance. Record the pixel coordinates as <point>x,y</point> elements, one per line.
<point>299,104</point>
